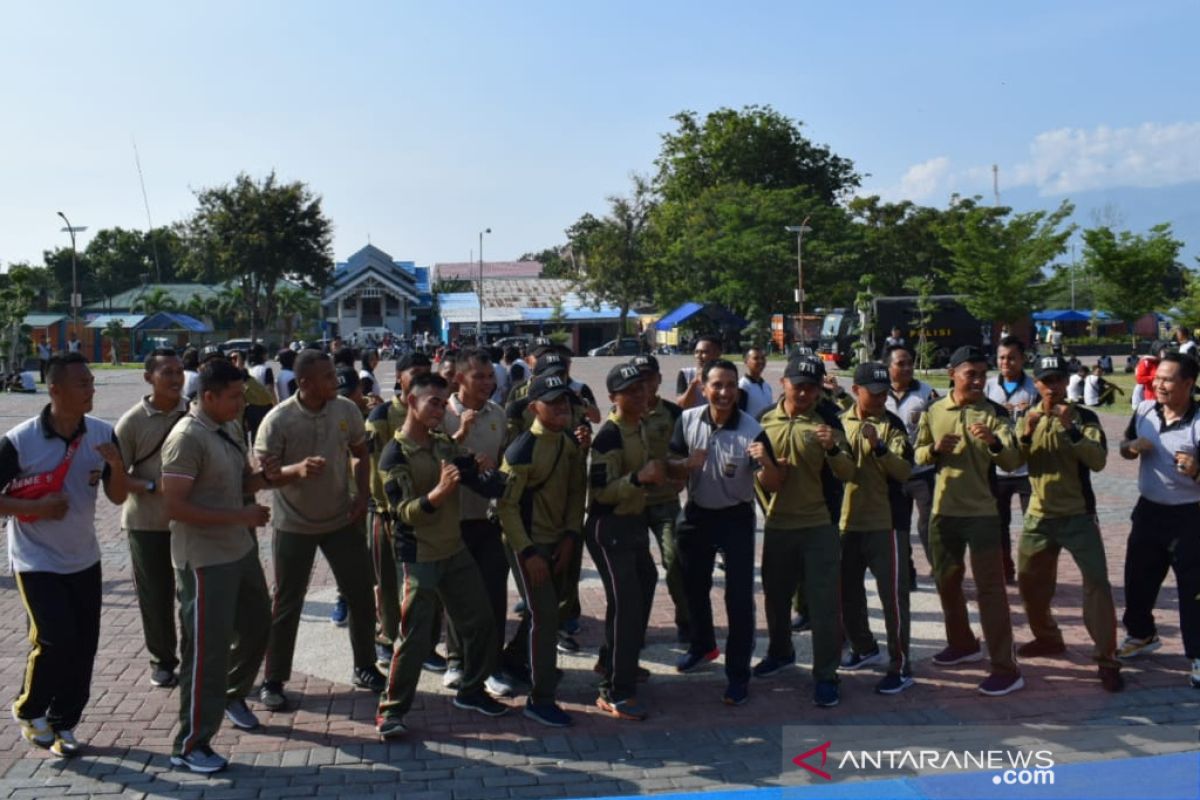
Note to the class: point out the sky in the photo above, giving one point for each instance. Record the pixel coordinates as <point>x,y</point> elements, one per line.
<point>421,124</point>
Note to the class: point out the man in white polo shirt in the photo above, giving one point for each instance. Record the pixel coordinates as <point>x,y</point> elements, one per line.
<point>50,468</point>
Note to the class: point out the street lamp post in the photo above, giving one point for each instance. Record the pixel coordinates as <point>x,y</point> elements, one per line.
<point>72,230</point>
<point>479,333</point>
<point>800,230</point>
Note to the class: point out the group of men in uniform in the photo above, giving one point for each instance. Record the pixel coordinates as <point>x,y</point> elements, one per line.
<point>435,497</point>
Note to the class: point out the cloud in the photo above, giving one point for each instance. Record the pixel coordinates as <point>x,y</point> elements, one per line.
<point>1066,161</point>
<point>1147,156</point>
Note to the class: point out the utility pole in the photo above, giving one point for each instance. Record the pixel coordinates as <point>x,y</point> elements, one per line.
<point>479,333</point>
<point>72,230</point>
<point>996,182</point>
<point>800,230</point>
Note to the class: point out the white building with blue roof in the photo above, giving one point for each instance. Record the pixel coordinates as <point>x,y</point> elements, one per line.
<point>372,292</point>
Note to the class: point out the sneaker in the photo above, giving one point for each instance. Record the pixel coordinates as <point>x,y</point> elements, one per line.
<point>519,607</point>
<point>1195,676</point>
<point>1132,648</point>
<point>893,684</point>
<point>383,656</point>
<point>825,694</point>
<point>498,685</point>
<point>800,622</point>
<point>567,644</point>
<point>1041,648</point>
<point>340,613</point>
<point>370,679</point>
<point>690,661</point>
<point>769,666</point>
<point>548,714</point>
<point>35,731</point>
<point>163,678</point>
<point>434,663</point>
<point>481,702</point>
<point>629,708</point>
<point>240,715</point>
<point>853,660</point>
<point>272,697</point>
<point>1111,680</point>
<point>571,627</point>
<point>998,684</point>
<point>65,744</point>
<point>951,655</point>
<point>202,759</point>
<point>390,728</point>
<point>736,694</point>
<point>452,678</point>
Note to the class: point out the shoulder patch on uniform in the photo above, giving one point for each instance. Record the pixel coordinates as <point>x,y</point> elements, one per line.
<point>672,408</point>
<point>893,420</point>
<point>392,456</point>
<point>608,438</point>
<point>1000,410</point>
<point>379,413</point>
<point>521,449</point>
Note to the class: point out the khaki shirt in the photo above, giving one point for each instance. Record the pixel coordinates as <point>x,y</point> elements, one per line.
<point>658,425</point>
<point>963,486</point>
<point>292,433</point>
<point>544,498</point>
<point>213,457</point>
<point>410,472</point>
<point>800,502</point>
<point>382,423</point>
<point>486,436</point>
<point>1061,463</point>
<point>866,505</point>
<point>141,434</point>
<point>618,452</point>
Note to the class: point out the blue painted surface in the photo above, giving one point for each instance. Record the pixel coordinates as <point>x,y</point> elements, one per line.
<point>1166,777</point>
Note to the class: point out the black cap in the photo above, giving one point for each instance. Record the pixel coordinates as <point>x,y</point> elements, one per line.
<point>967,354</point>
<point>412,359</point>
<point>347,380</point>
<point>805,370</point>
<point>872,376</point>
<point>1051,365</point>
<point>548,387</point>
<point>647,364</point>
<point>622,377</point>
<point>550,363</point>
<point>543,345</point>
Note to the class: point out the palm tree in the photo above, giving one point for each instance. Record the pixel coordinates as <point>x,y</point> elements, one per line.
<point>295,306</point>
<point>114,331</point>
<point>231,307</point>
<point>153,301</point>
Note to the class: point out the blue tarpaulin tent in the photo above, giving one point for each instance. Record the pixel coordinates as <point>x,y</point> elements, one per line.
<point>718,314</point>
<point>1068,315</point>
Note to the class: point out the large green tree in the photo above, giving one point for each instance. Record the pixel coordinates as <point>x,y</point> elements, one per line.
<point>1131,270</point>
<point>612,251</point>
<point>255,233</point>
<point>900,242</point>
<point>18,291</point>
<point>997,257</point>
<point>116,259</point>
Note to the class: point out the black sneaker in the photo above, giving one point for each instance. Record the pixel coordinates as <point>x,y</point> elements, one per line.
<point>390,728</point>
<point>202,759</point>
<point>164,678</point>
<point>481,702</point>
<point>370,679</point>
<point>853,660</point>
<point>567,644</point>
<point>769,666</point>
<point>825,694</point>
<point>894,684</point>
<point>800,622</point>
<point>272,697</point>
<point>434,663</point>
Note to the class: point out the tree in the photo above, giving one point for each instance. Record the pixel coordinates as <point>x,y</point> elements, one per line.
<point>254,234</point>
<point>293,307</point>
<point>557,262</point>
<point>154,300</point>
<point>614,266</point>
<point>18,290</point>
<point>922,287</point>
<point>756,146</point>
<point>997,257</point>
<point>1131,269</point>
<point>899,242</point>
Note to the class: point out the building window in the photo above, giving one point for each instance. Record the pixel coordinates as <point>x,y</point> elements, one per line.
<point>350,304</point>
<point>393,304</point>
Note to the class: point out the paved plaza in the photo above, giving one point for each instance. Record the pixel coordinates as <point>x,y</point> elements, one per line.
<point>692,742</point>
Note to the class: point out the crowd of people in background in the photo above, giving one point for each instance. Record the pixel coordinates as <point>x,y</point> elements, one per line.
<point>487,463</point>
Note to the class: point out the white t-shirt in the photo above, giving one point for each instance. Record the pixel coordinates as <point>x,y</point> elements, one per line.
<point>283,384</point>
<point>1075,388</point>
<point>191,383</point>
<point>1091,390</point>
<point>758,395</point>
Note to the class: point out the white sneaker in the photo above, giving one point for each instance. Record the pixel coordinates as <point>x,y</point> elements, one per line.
<point>66,745</point>
<point>1132,648</point>
<point>35,731</point>
<point>497,686</point>
<point>452,678</point>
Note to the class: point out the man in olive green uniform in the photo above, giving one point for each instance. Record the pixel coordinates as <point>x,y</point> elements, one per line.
<point>224,605</point>
<point>317,434</point>
<point>141,433</point>
<point>618,538</point>
<point>541,513</point>
<point>662,500</point>
<point>382,423</point>
<point>966,436</point>
<point>882,462</point>
<point>800,538</point>
<point>1063,444</point>
<point>422,470</point>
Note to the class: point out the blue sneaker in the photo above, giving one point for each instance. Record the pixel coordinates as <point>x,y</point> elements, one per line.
<point>736,694</point>
<point>548,714</point>
<point>895,684</point>
<point>340,613</point>
<point>769,666</point>
<point>853,660</point>
<point>690,661</point>
<point>825,694</point>
<point>571,627</point>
